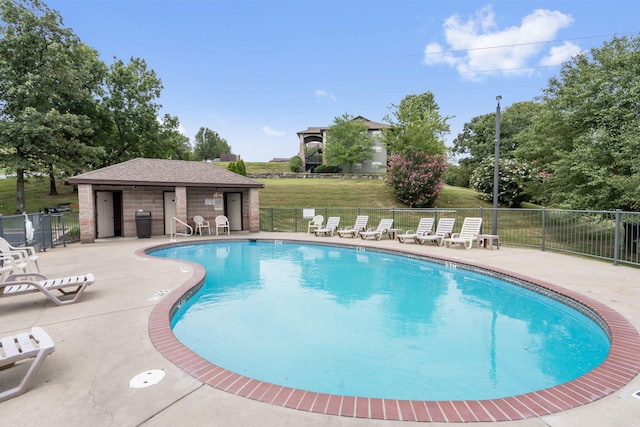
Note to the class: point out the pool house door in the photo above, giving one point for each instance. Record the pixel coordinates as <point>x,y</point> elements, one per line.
<point>169,210</point>
<point>233,207</point>
<point>105,214</point>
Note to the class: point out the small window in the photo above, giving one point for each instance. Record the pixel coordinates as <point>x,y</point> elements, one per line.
<point>357,166</point>
<point>377,149</point>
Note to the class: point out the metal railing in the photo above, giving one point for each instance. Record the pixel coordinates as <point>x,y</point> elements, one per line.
<point>607,235</point>
<point>184,226</point>
<point>49,229</point>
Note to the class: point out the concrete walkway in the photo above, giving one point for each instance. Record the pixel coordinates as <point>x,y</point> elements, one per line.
<point>102,342</point>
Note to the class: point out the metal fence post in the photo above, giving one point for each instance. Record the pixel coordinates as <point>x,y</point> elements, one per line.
<point>544,217</point>
<point>616,239</point>
<point>64,232</point>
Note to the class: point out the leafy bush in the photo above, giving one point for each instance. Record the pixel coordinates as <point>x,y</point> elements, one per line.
<point>295,163</point>
<point>238,167</point>
<point>241,167</point>
<point>514,178</point>
<point>417,177</point>
<point>328,169</point>
<point>456,177</point>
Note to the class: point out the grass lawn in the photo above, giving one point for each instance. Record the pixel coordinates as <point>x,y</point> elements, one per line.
<point>36,194</point>
<point>278,192</point>
<point>261,167</point>
<point>350,193</point>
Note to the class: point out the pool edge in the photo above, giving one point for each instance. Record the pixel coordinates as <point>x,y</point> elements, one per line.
<point>621,365</point>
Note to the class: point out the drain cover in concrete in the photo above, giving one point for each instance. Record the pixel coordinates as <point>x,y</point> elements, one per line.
<point>147,378</point>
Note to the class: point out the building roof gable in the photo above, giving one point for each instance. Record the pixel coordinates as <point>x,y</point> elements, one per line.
<point>160,172</point>
<point>371,125</point>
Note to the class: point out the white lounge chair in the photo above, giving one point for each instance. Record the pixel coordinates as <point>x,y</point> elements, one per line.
<point>330,228</point>
<point>315,223</point>
<point>27,283</point>
<point>360,225</point>
<point>27,254</point>
<point>222,223</point>
<point>201,223</point>
<point>383,227</point>
<point>17,348</point>
<point>443,230</point>
<point>10,266</point>
<point>425,227</point>
<point>468,234</point>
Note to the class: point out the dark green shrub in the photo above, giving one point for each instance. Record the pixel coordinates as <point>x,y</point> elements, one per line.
<point>295,163</point>
<point>328,169</point>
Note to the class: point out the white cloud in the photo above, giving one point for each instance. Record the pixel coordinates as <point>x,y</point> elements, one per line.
<point>267,130</point>
<point>477,44</point>
<point>559,54</point>
<point>324,95</point>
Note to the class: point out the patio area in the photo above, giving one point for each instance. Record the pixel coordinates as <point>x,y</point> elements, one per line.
<point>102,342</point>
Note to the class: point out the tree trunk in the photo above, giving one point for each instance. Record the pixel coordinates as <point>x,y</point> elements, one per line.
<point>20,191</point>
<point>53,191</point>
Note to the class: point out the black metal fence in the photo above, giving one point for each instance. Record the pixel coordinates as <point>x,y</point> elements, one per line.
<point>608,235</point>
<point>50,229</point>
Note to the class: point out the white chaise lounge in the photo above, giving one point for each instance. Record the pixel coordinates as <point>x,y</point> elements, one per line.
<point>443,230</point>
<point>425,227</point>
<point>21,347</point>
<point>360,225</point>
<point>468,234</point>
<point>384,227</point>
<point>27,283</point>
<point>330,228</point>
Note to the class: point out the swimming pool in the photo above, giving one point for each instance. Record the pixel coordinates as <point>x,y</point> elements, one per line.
<point>620,367</point>
<point>356,322</point>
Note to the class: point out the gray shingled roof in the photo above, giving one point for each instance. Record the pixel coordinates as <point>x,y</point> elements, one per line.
<point>159,172</point>
<point>369,123</point>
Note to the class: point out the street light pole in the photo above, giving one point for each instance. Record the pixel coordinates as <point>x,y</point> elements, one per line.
<point>496,168</point>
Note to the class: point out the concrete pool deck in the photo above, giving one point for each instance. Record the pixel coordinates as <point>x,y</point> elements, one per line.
<point>102,341</point>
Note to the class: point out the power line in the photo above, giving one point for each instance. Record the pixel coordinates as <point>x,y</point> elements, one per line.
<point>522,44</point>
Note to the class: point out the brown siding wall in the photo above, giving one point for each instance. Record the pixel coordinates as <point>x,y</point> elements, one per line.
<point>196,204</point>
<point>146,199</point>
<point>190,201</point>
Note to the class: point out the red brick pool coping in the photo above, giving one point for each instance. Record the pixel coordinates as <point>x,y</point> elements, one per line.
<point>619,368</point>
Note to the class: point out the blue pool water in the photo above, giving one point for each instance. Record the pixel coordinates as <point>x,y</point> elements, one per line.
<point>364,323</point>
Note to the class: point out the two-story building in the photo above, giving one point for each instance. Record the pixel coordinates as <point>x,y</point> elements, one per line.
<point>314,139</point>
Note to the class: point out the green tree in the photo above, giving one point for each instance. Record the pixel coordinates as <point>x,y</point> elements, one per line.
<point>131,111</point>
<point>594,105</point>
<point>47,84</point>
<point>242,168</point>
<point>210,145</point>
<point>238,167</point>
<point>172,137</point>
<point>416,126</point>
<point>476,142</point>
<point>348,142</point>
<point>295,164</point>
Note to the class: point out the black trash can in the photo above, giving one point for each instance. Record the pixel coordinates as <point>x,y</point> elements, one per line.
<point>143,224</point>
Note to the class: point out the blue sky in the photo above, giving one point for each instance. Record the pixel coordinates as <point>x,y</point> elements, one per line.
<point>258,71</point>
